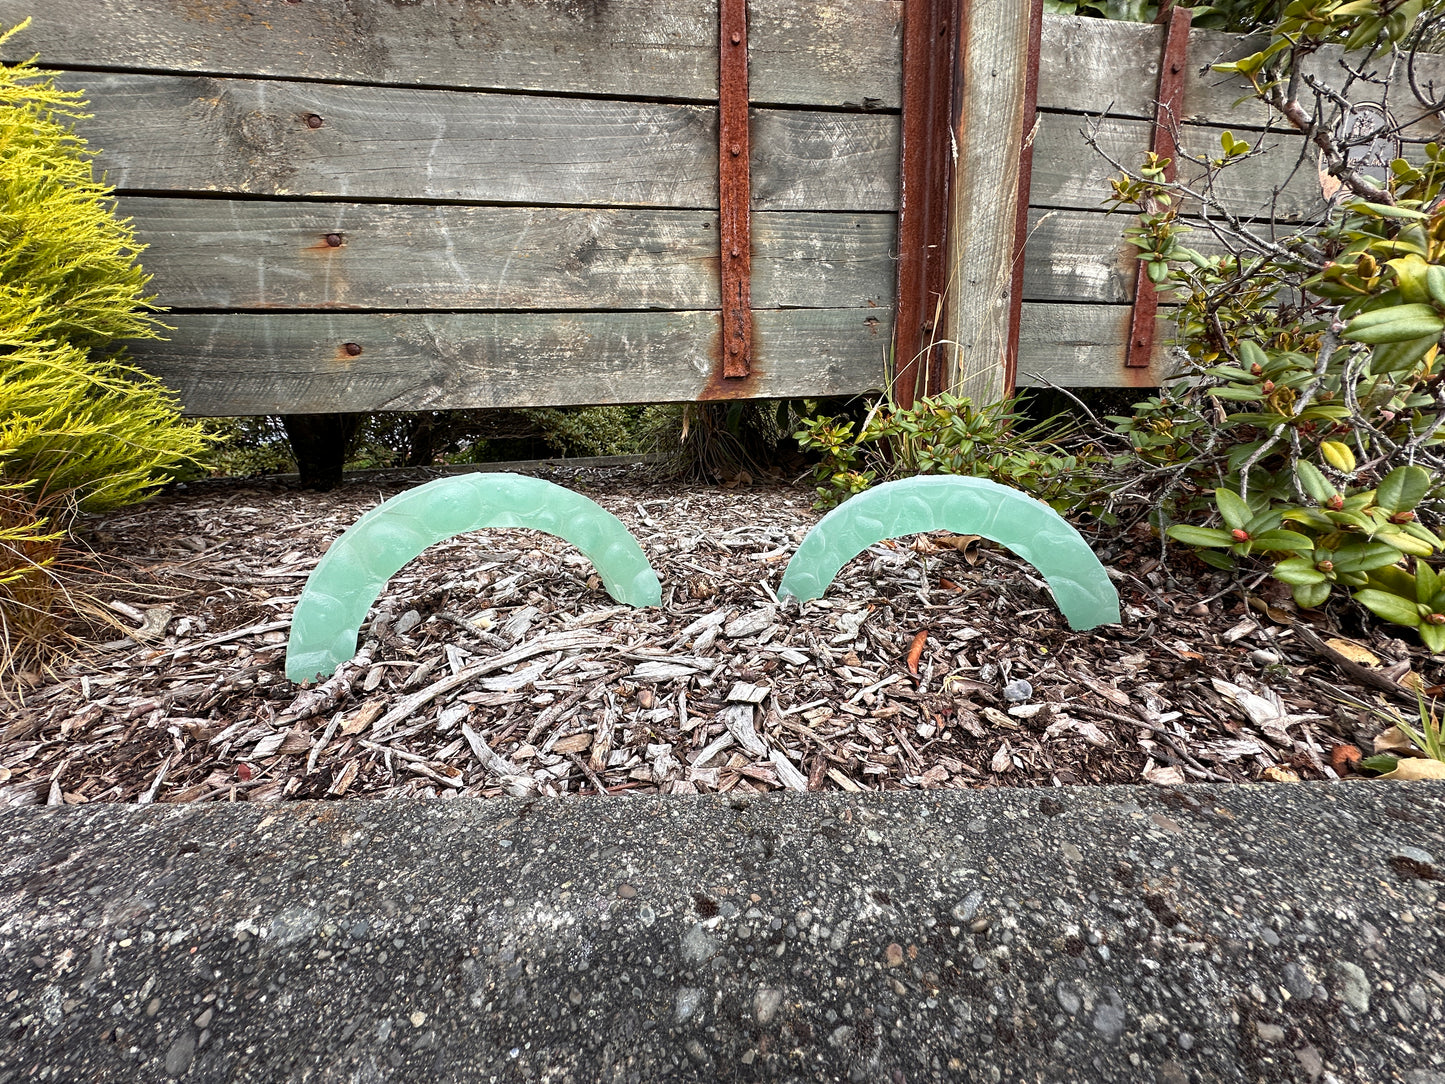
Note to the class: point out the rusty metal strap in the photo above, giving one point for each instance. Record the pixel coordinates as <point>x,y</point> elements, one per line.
<point>926,172</point>
<point>1166,116</point>
<point>734,196</point>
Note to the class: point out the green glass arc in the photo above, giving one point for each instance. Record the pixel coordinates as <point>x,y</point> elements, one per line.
<point>352,573</point>
<point>1030,528</point>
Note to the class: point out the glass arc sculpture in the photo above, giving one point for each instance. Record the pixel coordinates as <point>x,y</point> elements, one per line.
<point>1028,527</point>
<point>351,575</point>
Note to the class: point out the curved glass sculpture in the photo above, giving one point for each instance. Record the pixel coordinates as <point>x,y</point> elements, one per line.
<point>351,575</point>
<point>1030,528</point>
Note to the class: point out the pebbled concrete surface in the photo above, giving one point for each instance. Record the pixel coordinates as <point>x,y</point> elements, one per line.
<point>1267,933</point>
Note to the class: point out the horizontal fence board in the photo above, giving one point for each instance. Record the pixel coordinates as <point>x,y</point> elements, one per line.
<point>807,259</point>
<point>175,134</point>
<point>1082,255</point>
<point>297,363</point>
<point>801,53</point>
<point>250,254</point>
<point>1083,346</point>
<point>1109,66</point>
<point>1070,173</point>
<point>1077,256</point>
<point>824,161</point>
<point>806,53</point>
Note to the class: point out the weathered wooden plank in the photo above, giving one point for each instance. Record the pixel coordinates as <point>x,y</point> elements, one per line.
<point>182,133</point>
<point>808,53</point>
<point>826,261</point>
<point>1109,66</point>
<point>1082,255</point>
<point>252,254</point>
<point>1078,256</point>
<point>1082,346</point>
<point>994,47</point>
<point>173,133</point>
<point>300,363</point>
<point>802,53</point>
<point>1069,173</point>
<point>824,161</point>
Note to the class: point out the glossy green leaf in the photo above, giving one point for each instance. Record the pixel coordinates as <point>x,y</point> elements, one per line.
<point>1365,557</point>
<point>1215,559</point>
<point>1309,517</point>
<point>1310,595</point>
<point>1394,579</point>
<point>1313,482</point>
<point>1380,762</point>
<point>1281,540</point>
<point>1390,607</point>
<point>1417,530</point>
<point>1199,536</point>
<point>1427,584</point>
<point>1267,520</point>
<point>1397,323</point>
<point>1396,357</point>
<point>1232,508</point>
<point>1298,570</point>
<point>1251,353</point>
<point>1433,636</point>
<point>1403,488</point>
<point>1405,543</point>
<point>1385,210</point>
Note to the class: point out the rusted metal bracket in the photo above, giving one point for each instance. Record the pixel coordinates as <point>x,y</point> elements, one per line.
<point>1167,112</point>
<point>734,195</point>
<point>930,74</point>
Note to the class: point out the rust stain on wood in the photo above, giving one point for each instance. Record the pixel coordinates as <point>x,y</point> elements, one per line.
<point>929,77</point>
<point>721,386</point>
<point>1167,111</point>
<point>734,195</point>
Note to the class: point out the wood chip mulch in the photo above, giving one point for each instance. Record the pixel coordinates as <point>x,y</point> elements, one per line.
<point>562,691</point>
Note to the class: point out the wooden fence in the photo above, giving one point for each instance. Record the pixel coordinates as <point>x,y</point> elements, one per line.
<point>368,205</point>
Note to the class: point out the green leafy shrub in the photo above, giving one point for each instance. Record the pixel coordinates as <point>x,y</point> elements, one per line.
<point>249,446</point>
<point>593,430</point>
<point>946,434</point>
<point>1313,405</point>
<point>79,428</point>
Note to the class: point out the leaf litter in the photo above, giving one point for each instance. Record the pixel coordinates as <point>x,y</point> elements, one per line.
<point>495,664</point>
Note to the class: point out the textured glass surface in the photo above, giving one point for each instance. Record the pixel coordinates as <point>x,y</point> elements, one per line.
<point>1030,528</point>
<point>354,570</point>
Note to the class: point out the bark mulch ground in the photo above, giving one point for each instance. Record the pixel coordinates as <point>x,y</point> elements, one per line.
<point>495,664</point>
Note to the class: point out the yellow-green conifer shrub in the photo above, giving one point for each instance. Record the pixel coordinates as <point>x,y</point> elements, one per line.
<point>79,428</point>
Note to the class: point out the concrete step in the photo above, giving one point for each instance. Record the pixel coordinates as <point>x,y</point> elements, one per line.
<point>1214,933</point>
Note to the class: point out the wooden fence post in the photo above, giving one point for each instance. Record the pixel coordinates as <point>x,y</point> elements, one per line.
<point>998,52</point>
